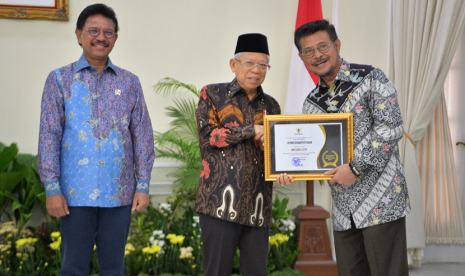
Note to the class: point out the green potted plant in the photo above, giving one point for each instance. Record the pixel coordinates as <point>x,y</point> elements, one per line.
<point>180,142</point>
<point>20,184</point>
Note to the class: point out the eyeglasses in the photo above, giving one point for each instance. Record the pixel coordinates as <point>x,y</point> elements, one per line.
<point>310,52</point>
<point>108,33</point>
<point>251,65</point>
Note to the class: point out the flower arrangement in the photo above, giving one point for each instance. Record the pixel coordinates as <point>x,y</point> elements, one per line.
<point>151,249</point>
<point>283,247</point>
<point>29,251</point>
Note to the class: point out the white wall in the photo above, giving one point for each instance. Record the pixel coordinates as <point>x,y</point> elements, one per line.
<point>188,40</point>
<point>362,28</point>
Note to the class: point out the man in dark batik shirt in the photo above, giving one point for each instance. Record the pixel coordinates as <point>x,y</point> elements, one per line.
<point>370,198</point>
<point>233,199</point>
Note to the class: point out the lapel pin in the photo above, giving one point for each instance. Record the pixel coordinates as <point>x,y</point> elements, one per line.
<point>118,92</point>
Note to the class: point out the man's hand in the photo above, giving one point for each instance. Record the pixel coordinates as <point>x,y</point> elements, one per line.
<point>258,131</point>
<point>57,206</point>
<point>342,175</point>
<point>283,179</point>
<point>140,202</point>
<point>259,141</point>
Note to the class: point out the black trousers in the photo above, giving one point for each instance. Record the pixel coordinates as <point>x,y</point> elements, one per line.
<point>379,250</point>
<point>221,238</point>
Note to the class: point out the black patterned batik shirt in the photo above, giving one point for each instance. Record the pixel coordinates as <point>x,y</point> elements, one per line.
<point>232,185</point>
<point>380,194</point>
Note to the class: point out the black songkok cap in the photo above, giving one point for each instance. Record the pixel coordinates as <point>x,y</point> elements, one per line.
<point>252,43</point>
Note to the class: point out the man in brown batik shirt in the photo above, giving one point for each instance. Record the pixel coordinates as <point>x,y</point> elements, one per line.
<point>233,199</point>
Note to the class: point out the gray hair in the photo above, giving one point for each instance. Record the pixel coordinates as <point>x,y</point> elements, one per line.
<point>238,55</point>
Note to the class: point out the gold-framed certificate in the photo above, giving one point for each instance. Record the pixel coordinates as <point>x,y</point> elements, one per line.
<point>308,145</point>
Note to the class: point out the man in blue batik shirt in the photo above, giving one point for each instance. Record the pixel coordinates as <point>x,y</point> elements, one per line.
<point>95,148</point>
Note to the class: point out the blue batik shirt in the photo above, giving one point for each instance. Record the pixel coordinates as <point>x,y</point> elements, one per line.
<point>96,138</point>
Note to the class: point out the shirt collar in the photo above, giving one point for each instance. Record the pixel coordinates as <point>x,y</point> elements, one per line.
<point>234,87</point>
<point>342,75</point>
<point>83,63</point>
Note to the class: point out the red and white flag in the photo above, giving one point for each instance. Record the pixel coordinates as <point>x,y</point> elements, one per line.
<point>301,81</point>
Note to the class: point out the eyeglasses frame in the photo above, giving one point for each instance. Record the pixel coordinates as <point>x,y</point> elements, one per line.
<point>318,48</point>
<point>95,28</point>
<point>268,67</point>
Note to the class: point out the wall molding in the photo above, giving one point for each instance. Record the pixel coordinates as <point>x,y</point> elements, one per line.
<point>166,165</point>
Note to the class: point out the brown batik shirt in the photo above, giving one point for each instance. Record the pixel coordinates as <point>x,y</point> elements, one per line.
<point>232,185</point>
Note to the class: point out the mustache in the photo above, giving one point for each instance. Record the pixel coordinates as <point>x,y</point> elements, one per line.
<point>104,43</point>
<point>319,61</point>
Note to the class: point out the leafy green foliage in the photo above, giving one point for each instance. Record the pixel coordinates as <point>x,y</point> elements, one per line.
<point>7,155</point>
<point>152,226</point>
<point>279,208</point>
<point>20,184</point>
<point>284,247</point>
<point>181,142</point>
<point>287,272</point>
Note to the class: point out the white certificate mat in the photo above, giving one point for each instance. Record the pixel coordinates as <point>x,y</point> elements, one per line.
<point>298,146</point>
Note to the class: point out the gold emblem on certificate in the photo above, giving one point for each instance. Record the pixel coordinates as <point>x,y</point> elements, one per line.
<point>330,159</point>
<point>306,146</point>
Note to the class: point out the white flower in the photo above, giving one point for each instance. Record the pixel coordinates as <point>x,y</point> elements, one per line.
<point>292,227</point>
<point>165,206</point>
<point>153,241</point>
<point>161,243</point>
<point>196,219</point>
<point>158,232</point>
<point>291,224</point>
<point>288,224</point>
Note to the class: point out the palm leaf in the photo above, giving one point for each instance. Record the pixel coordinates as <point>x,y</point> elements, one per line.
<point>170,85</point>
<point>187,179</point>
<point>181,142</point>
<point>184,115</point>
<point>172,141</point>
